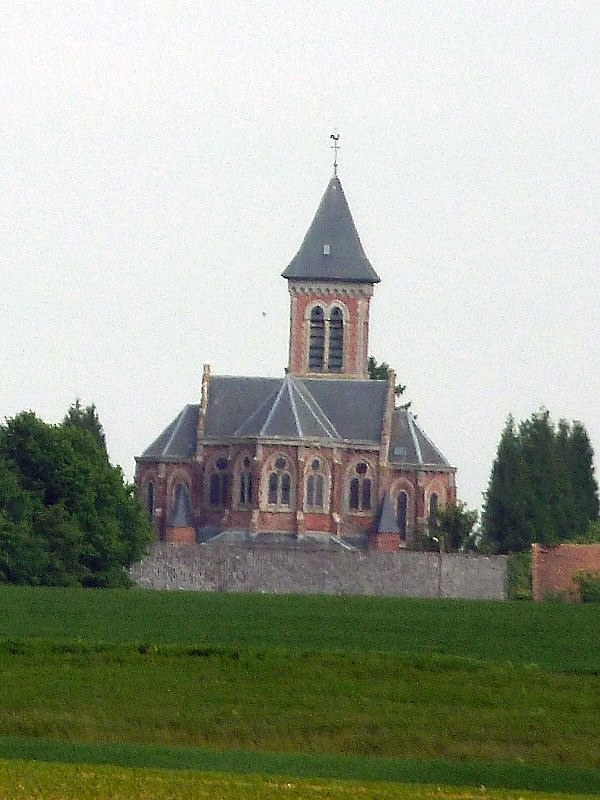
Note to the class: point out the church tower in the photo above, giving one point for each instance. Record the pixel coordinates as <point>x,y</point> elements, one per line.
<point>330,281</point>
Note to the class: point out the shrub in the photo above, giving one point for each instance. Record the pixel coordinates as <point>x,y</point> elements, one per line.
<point>519,576</point>
<point>589,586</point>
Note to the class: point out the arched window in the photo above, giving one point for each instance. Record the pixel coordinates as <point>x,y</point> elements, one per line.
<point>335,360</point>
<point>280,484</point>
<point>316,344</point>
<point>245,487</point>
<point>433,507</point>
<point>218,486</point>
<point>315,486</point>
<point>402,513</point>
<point>359,494</point>
<point>150,499</point>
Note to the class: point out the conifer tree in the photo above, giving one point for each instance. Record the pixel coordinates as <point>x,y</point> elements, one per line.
<point>542,486</point>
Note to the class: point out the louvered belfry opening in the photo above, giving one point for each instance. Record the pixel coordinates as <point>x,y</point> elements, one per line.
<point>335,361</point>
<point>316,348</point>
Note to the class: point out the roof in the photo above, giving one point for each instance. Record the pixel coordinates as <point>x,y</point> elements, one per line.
<point>388,522</point>
<point>178,440</point>
<point>181,516</point>
<point>303,409</point>
<point>331,249</point>
<point>410,446</point>
<point>316,409</point>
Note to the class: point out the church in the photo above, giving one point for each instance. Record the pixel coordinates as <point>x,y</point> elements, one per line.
<point>320,455</point>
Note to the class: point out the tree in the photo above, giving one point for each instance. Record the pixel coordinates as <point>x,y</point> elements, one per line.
<point>379,372</point>
<point>86,419</point>
<point>67,517</point>
<point>454,526</point>
<point>542,486</point>
<point>450,530</point>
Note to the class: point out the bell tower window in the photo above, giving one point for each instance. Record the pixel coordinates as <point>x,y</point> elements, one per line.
<point>335,359</point>
<point>316,346</point>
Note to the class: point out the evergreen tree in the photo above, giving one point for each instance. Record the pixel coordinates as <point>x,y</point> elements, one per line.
<point>379,372</point>
<point>542,486</point>
<point>581,466</point>
<point>505,526</point>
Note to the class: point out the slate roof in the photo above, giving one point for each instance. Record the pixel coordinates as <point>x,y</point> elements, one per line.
<point>178,440</point>
<point>388,523</point>
<point>409,445</point>
<point>292,408</point>
<point>181,516</point>
<point>331,249</point>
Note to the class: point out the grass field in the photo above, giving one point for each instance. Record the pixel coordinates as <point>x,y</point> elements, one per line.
<point>310,702</point>
<point>555,636</point>
<point>385,682</point>
<point>20,780</point>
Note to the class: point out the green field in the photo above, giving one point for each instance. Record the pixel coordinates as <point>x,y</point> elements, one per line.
<point>555,636</point>
<point>20,780</point>
<point>399,691</point>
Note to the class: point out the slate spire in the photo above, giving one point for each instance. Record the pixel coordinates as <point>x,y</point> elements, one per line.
<point>387,520</point>
<point>331,249</point>
<point>181,516</point>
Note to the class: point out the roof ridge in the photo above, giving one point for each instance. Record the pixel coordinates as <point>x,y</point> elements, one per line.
<point>428,440</point>
<point>257,410</point>
<point>293,405</point>
<point>411,427</point>
<point>273,407</point>
<point>325,422</point>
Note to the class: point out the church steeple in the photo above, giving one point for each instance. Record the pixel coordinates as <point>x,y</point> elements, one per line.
<point>330,280</point>
<point>331,249</point>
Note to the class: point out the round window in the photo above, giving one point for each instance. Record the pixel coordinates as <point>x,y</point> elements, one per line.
<point>361,468</point>
<point>281,463</point>
<point>316,464</point>
<point>222,463</point>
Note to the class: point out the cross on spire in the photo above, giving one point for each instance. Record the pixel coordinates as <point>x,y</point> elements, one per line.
<point>335,147</point>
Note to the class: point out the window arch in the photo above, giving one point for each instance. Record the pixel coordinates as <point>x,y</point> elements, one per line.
<point>402,513</point>
<point>316,496</point>
<point>218,483</point>
<point>279,483</point>
<point>245,488</point>
<point>360,488</point>
<point>316,343</point>
<point>335,356</point>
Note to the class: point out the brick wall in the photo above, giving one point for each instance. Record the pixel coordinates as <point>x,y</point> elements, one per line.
<point>238,568</point>
<point>553,568</point>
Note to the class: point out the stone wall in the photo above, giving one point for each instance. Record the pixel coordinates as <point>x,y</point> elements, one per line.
<point>239,568</point>
<point>553,568</point>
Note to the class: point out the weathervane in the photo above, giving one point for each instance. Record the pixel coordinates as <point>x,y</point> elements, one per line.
<point>335,147</point>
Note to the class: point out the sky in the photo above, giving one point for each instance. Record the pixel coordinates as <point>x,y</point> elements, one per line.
<point>160,164</point>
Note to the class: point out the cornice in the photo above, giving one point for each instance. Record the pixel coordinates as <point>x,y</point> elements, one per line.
<point>326,288</point>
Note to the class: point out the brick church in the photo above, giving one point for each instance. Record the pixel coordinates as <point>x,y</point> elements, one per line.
<point>319,455</point>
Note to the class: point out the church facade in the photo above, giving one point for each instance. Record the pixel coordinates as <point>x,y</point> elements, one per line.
<point>321,453</point>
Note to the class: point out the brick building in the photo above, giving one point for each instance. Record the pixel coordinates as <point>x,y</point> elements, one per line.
<point>319,454</point>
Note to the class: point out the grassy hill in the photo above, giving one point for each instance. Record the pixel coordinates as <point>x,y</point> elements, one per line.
<point>477,686</point>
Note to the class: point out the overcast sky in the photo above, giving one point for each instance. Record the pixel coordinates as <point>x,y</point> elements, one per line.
<point>161,162</point>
